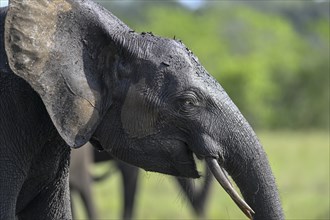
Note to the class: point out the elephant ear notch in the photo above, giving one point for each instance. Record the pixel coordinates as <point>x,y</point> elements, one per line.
<point>47,44</point>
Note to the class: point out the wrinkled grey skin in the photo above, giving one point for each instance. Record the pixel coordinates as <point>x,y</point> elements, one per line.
<point>71,72</point>
<point>34,159</point>
<point>81,182</point>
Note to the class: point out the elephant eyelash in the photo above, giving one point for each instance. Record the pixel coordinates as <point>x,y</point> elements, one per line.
<point>192,98</point>
<point>188,102</point>
<point>187,106</point>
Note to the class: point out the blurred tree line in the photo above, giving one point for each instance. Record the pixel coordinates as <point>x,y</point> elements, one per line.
<point>271,57</point>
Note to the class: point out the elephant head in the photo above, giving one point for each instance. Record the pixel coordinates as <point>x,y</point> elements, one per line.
<point>144,99</point>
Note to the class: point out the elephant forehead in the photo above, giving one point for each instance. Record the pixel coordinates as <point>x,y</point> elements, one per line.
<point>195,75</point>
<point>185,68</point>
<point>178,63</point>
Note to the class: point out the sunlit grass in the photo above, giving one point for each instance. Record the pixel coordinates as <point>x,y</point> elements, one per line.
<point>300,161</point>
<point>301,164</point>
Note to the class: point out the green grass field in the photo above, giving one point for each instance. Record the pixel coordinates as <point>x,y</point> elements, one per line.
<point>300,161</point>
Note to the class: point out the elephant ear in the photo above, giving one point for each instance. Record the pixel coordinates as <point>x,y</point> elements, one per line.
<point>60,48</point>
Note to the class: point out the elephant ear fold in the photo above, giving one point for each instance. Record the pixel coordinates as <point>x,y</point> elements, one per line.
<point>55,46</point>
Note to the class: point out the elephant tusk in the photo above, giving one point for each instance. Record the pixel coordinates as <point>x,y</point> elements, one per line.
<point>221,177</point>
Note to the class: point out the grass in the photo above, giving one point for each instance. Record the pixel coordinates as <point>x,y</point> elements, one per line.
<point>300,162</point>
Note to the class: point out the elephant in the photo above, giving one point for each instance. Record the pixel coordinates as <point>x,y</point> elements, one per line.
<point>81,182</point>
<point>72,72</point>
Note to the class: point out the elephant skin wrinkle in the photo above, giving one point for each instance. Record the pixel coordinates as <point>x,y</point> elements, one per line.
<point>77,73</point>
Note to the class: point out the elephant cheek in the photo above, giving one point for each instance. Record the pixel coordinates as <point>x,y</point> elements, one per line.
<point>137,118</point>
<point>184,163</point>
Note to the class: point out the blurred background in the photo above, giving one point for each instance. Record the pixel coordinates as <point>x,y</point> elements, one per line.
<point>272,58</point>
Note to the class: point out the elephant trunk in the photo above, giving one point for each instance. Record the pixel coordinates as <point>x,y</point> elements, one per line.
<point>246,162</point>
<point>256,181</point>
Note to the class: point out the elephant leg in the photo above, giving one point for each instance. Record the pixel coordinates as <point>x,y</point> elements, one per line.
<point>85,193</point>
<point>197,196</point>
<point>188,187</point>
<point>83,187</point>
<point>10,184</point>
<point>203,193</point>
<point>53,202</point>
<point>81,179</point>
<point>87,199</point>
<point>14,168</point>
<point>71,203</point>
<point>130,178</point>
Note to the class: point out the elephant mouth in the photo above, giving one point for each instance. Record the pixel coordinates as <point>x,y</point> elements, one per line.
<point>221,176</point>
<point>96,144</point>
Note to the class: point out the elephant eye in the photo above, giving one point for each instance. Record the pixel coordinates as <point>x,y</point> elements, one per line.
<point>189,99</point>
<point>187,103</point>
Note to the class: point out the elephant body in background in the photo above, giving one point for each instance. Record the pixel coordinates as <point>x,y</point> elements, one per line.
<point>72,73</point>
<point>81,181</point>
